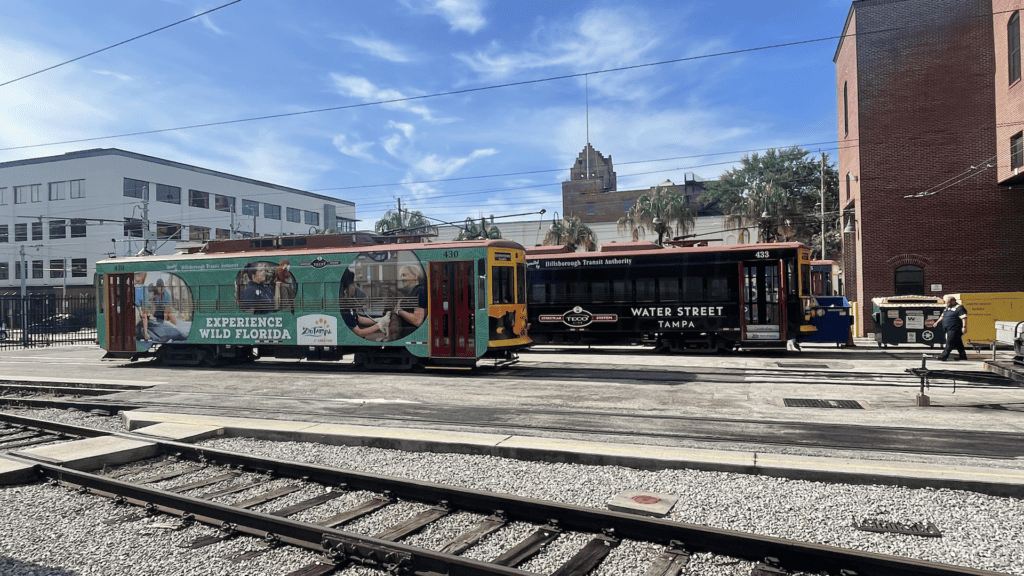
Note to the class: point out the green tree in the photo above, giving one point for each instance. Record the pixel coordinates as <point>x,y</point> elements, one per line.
<point>470,230</point>
<point>661,211</point>
<point>395,220</point>
<point>571,232</point>
<point>780,192</point>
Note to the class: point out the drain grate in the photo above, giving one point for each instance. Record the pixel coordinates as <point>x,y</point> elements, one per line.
<point>815,403</point>
<point>815,365</point>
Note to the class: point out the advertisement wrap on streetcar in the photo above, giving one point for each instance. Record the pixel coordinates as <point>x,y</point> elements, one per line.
<point>395,305</point>
<point>702,298</point>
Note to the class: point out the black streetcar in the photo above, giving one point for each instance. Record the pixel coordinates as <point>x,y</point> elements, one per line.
<point>702,298</point>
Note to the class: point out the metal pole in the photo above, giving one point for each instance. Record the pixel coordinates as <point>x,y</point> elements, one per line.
<point>823,256</point>
<point>24,298</point>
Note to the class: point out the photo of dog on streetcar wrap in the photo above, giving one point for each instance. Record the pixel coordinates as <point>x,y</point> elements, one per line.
<point>696,299</point>
<point>390,305</point>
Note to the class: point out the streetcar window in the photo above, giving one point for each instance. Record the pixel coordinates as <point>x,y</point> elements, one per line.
<point>538,293</point>
<point>791,276</point>
<point>577,291</point>
<point>558,293</point>
<point>718,289</point>
<point>521,283</point>
<point>622,291</point>
<point>805,279</point>
<point>600,291</point>
<point>668,289</point>
<point>99,290</point>
<point>502,285</point>
<point>481,268</point>
<point>645,290</point>
<point>693,288</point>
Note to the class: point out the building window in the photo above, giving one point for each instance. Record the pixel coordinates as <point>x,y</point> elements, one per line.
<point>37,268</point>
<point>294,215</point>
<point>849,181</point>
<point>909,280</point>
<point>198,199</point>
<point>17,270</point>
<point>1013,46</point>
<point>21,232</point>
<point>136,189</point>
<point>77,189</point>
<point>272,211</point>
<point>58,229</point>
<point>36,192</point>
<point>590,208</point>
<point>250,207</point>
<point>5,271</point>
<point>168,231</point>
<point>846,110</point>
<point>79,268</point>
<point>312,218</point>
<point>3,233</point>
<point>346,225</point>
<point>3,196</point>
<point>168,194</point>
<point>1017,150</point>
<point>58,190</point>
<point>224,203</point>
<point>37,230</point>
<point>133,227</point>
<point>199,233</point>
<point>223,234</point>
<point>23,193</point>
<point>78,227</point>
<point>56,268</point>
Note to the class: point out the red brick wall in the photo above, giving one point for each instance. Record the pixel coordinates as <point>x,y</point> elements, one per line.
<point>926,114</point>
<point>1009,97</point>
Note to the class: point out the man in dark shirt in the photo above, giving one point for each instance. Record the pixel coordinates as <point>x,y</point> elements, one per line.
<point>954,324</point>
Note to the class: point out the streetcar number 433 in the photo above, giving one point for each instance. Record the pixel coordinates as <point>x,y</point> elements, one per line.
<point>761,254</point>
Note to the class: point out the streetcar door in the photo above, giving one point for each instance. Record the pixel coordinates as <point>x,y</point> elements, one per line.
<point>761,284</point>
<point>452,303</point>
<point>120,313</point>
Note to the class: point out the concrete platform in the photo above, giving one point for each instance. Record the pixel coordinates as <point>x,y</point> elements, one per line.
<point>92,453</point>
<point>178,432</point>
<point>995,481</point>
<point>12,472</point>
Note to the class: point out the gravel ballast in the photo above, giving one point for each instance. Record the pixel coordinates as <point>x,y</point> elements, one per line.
<point>50,530</point>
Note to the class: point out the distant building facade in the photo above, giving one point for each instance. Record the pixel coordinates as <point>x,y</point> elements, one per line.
<point>928,107</point>
<point>68,211</point>
<point>591,193</point>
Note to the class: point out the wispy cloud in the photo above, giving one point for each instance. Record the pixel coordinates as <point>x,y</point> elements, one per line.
<point>367,91</point>
<point>209,25</point>
<point>379,48</point>
<point>435,166</point>
<point>356,150</point>
<point>118,75</point>
<point>466,15</point>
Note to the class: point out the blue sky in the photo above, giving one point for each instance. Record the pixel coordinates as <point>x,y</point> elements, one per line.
<point>511,146</point>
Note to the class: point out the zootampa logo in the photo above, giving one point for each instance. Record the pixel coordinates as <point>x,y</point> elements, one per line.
<point>317,330</point>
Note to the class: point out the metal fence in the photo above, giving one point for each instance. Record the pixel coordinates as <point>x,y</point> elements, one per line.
<point>47,320</point>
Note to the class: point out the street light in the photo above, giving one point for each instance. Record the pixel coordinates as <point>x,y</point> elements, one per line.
<point>659,227</point>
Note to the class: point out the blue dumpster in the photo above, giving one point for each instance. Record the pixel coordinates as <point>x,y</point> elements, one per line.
<point>837,322</point>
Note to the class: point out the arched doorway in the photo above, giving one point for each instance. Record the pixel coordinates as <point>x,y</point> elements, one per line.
<point>909,280</point>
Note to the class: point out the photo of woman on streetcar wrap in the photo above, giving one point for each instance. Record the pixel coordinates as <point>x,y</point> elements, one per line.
<point>258,289</point>
<point>163,308</point>
<point>383,296</point>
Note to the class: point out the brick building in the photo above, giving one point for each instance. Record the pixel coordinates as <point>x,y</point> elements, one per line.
<point>592,193</point>
<point>925,122</point>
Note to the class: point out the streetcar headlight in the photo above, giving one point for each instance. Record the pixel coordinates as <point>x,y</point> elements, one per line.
<point>819,312</point>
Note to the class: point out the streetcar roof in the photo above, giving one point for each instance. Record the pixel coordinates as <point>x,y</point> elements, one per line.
<point>286,252</point>
<point>651,249</point>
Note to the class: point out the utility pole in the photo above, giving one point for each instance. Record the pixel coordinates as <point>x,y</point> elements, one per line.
<point>24,299</point>
<point>145,222</point>
<point>823,206</point>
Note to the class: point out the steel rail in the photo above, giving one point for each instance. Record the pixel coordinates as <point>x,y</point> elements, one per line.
<point>792,554</point>
<point>342,546</point>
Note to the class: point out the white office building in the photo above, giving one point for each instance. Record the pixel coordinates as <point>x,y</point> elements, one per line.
<point>60,214</point>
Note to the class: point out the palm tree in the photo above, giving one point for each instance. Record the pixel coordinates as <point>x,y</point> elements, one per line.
<point>470,231</point>
<point>662,211</point>
<point>395,220</point>
<point>572,233</point>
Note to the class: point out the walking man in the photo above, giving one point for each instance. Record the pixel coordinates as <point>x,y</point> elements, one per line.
<point>954,323</point>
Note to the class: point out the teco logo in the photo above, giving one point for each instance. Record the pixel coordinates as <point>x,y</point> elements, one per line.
<point>577,317</point>
<point>319,262</point>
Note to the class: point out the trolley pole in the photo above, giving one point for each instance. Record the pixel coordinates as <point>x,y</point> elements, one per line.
<point>823,257</point>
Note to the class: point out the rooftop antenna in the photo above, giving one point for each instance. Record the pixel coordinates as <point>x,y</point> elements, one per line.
<point>586,84</point>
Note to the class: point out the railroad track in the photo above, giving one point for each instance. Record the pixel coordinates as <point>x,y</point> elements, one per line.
<point>193,500</point>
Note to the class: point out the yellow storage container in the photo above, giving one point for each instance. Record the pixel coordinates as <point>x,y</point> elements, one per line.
<point>983,309</point>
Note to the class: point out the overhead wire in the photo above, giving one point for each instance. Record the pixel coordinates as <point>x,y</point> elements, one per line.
<point>119,43</point>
